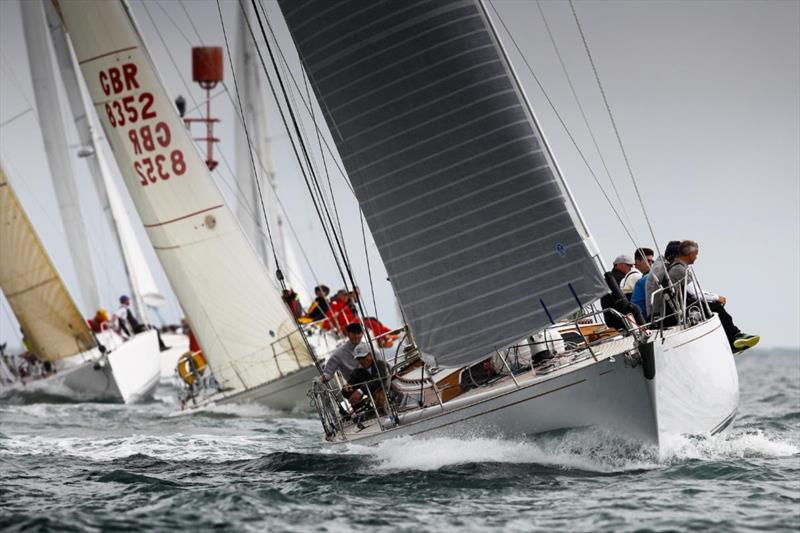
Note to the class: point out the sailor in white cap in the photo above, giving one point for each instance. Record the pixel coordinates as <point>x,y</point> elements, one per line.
<point>372,375</point>
<point>626,273</point>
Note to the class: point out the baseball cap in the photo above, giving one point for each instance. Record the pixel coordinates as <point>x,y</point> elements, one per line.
<point>361,351</point>
<point>624,260</point>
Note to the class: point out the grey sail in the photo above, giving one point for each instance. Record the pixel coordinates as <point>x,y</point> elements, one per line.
<point>472,220</point>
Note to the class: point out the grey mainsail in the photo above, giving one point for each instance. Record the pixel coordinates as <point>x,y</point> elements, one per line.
<point>471,218</point>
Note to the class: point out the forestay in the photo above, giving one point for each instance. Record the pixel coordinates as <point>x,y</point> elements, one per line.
<point>472,220</point>
<point>53,325</point>
<point>223,288</point>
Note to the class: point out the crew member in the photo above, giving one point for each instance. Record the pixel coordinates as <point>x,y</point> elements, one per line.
<point>687,255</point>
<point>342,359</point>
<point>128,324</point>
<point>372,377</point>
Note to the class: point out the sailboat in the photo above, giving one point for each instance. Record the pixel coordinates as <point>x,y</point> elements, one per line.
<point>486,250</point>
<point>41,28</point>
<point>144,290</point>
<point>251,343</point>
<point>76,362</point>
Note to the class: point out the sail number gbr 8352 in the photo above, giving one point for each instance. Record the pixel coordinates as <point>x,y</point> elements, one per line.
<point>151,141</point>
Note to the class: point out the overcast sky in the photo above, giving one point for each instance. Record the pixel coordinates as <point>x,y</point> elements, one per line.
<point>707,100</point>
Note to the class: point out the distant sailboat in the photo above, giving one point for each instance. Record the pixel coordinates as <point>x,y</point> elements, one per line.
<point>145,291</point>
<point>54,329</point>
<point>248,337</point>
<point>483,243</point>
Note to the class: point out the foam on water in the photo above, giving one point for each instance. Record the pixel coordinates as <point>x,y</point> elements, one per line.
<point>248,410</point>
<point>590,450</point>
<point>736,445</point>
<point>175,447</point>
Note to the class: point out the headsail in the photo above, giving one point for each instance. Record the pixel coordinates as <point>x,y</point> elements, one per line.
<point>52,323</point>
<point>465,203</point>
<point>55,143</point>
<point>233,308</point>
<point>140,278</point>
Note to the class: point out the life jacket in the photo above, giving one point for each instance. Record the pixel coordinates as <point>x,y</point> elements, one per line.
<point>340,312</point>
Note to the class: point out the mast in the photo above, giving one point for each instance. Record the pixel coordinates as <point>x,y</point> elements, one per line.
<point>249,209</point>
<point>140,279</point>
<point>55,143</point>
<point>248,205</point>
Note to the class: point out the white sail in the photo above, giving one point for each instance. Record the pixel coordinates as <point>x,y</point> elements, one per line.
<point>230,303</point>
<point>249,209</point>
<point>55,143</point>
<point>53,325</point>
<point>140,278</point>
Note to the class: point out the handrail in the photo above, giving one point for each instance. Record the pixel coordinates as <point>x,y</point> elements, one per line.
<point>681,305</point>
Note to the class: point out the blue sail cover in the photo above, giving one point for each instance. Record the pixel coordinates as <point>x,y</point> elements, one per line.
<point>478,236</point>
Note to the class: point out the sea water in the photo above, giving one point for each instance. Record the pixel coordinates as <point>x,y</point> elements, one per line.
<point>91,467</point>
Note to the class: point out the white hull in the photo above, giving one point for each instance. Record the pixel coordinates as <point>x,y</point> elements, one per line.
<point>694,391</point>
<point>289,393</point>
<point>696,387</point>
<point>129,373</point>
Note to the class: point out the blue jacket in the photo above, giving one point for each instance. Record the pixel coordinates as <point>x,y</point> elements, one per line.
<point>639,295</point>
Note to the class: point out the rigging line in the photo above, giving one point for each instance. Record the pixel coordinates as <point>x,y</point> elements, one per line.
<point>191,22</point>
<point>320,188</point>
<point>291,103</point>
<point>302,135</point>
<point>369,269</point>
<point>288,97</point>
<point>238,193</point>
<point>322,155</point>
<point>291,137</point>
<point>309,105</point>
<point>15,81</point>
<point>613,122</point>
<point>171,57</point>
<point>278,272</point>
<point>586,119</point>
<point>15,117</point>
<point>299,131</point>
<point>260,196</point>
<point>169,17</point>
<point>345,261</point>
<point>563,124</point>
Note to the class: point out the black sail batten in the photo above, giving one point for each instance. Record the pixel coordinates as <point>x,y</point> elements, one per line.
<point>459,190</point>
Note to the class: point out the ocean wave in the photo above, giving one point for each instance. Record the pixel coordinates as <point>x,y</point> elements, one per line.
<point>175,447</point>
<point>589,449</point>
<point>735,445</point>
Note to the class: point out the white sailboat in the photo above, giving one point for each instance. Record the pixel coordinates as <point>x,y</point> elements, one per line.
<point>144,290</point>
<point>79,364</point>
<point>58,158</point>
<point>249,339</point>
<point>484,245</point>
